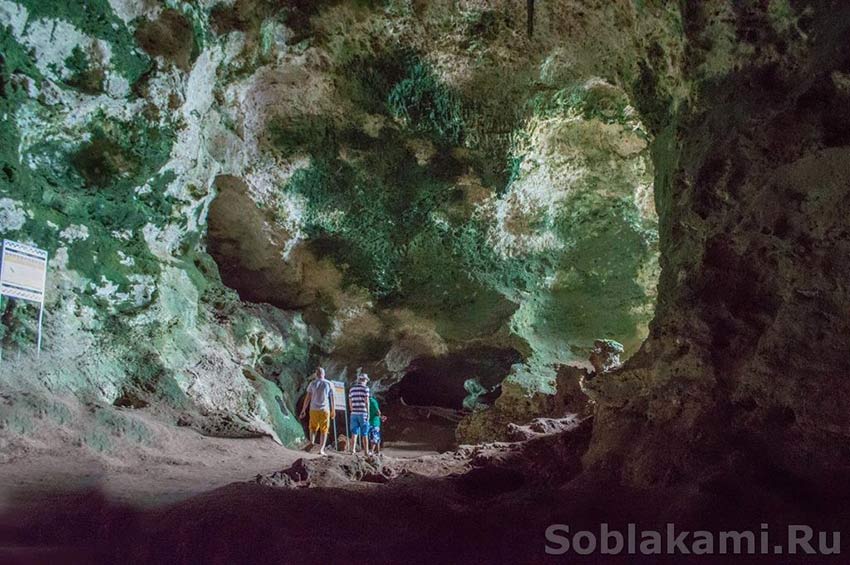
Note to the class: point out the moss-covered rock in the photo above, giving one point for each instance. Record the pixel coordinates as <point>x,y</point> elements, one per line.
<point>99,177</point>
<point>358,164</point>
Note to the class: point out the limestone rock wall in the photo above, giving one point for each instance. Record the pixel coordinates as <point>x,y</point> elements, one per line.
<point>422,206</point>
<point>745,371</point>
<point>111,142</point>
<point>404,180</point>
<point>389,181</point>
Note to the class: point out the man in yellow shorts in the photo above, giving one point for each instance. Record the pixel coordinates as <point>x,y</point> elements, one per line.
<point>320,399</point>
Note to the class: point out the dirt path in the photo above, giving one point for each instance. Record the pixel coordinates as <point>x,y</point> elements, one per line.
<point>176,464</point>
<point>192,465</point>
<point>144,480</point>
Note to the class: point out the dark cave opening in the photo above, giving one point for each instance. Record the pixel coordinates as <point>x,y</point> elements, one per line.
<point>442,381</point>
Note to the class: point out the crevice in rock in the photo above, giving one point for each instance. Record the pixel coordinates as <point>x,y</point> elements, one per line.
<point>242,242</point>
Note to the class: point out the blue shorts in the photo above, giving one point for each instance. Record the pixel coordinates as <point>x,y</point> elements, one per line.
<point>359,425</point>
<point>375,434</point>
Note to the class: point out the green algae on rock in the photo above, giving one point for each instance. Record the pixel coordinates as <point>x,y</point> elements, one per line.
<point>358,164</point>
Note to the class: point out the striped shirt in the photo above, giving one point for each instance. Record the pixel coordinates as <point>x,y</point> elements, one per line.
<point>358,397</point>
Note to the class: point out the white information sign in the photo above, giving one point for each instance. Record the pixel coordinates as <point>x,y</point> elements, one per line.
<point>23,275</point>
<point>339,395</point>
<point>339,405</point>
<point>23,271</point>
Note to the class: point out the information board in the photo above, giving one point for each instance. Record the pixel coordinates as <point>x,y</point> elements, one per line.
<point>23,271</point>
<point>23,275</point>
<point>339,395</point>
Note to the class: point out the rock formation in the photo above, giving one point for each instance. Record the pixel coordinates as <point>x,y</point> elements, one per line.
<point>745,370</point>
<point>234,191</point>
<point>388,185</point>
<point>359,174</point>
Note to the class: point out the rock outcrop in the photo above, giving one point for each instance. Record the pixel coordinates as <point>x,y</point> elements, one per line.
<point>745,371</point>
<point>360,166</point>
<point>736,408</point>
<point>361,169</point>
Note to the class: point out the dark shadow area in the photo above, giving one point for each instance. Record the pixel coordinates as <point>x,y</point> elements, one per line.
<point>169,36</point>
<point>439,381</point>
<point>412,429</point>
<point>496,512</point>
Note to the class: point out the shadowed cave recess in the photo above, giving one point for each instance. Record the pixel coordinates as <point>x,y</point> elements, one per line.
<point>591,254</point>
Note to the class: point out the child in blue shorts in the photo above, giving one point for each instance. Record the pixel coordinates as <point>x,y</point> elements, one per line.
<point>375,419</point>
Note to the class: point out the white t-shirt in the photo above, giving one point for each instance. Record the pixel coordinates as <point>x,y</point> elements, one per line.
<point>320,391</point>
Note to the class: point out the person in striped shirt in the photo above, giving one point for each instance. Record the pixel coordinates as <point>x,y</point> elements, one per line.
<point>358,403</point>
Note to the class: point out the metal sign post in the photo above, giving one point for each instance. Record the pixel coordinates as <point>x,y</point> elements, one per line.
<point>339,400</point>
<point>23,275</point>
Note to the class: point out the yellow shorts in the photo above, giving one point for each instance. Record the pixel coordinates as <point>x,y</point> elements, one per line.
<point>319,421</point>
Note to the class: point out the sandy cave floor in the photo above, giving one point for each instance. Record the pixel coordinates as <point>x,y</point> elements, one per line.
<point>207,463</point>
<point>176,462</point>
<point>213,500</point>
<point>189,498</point>
<point>196,464</point>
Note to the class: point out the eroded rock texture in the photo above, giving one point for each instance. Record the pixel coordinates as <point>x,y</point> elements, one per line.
<point>400,183</point>
<point>745,370</point>
<point>392,182</point>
